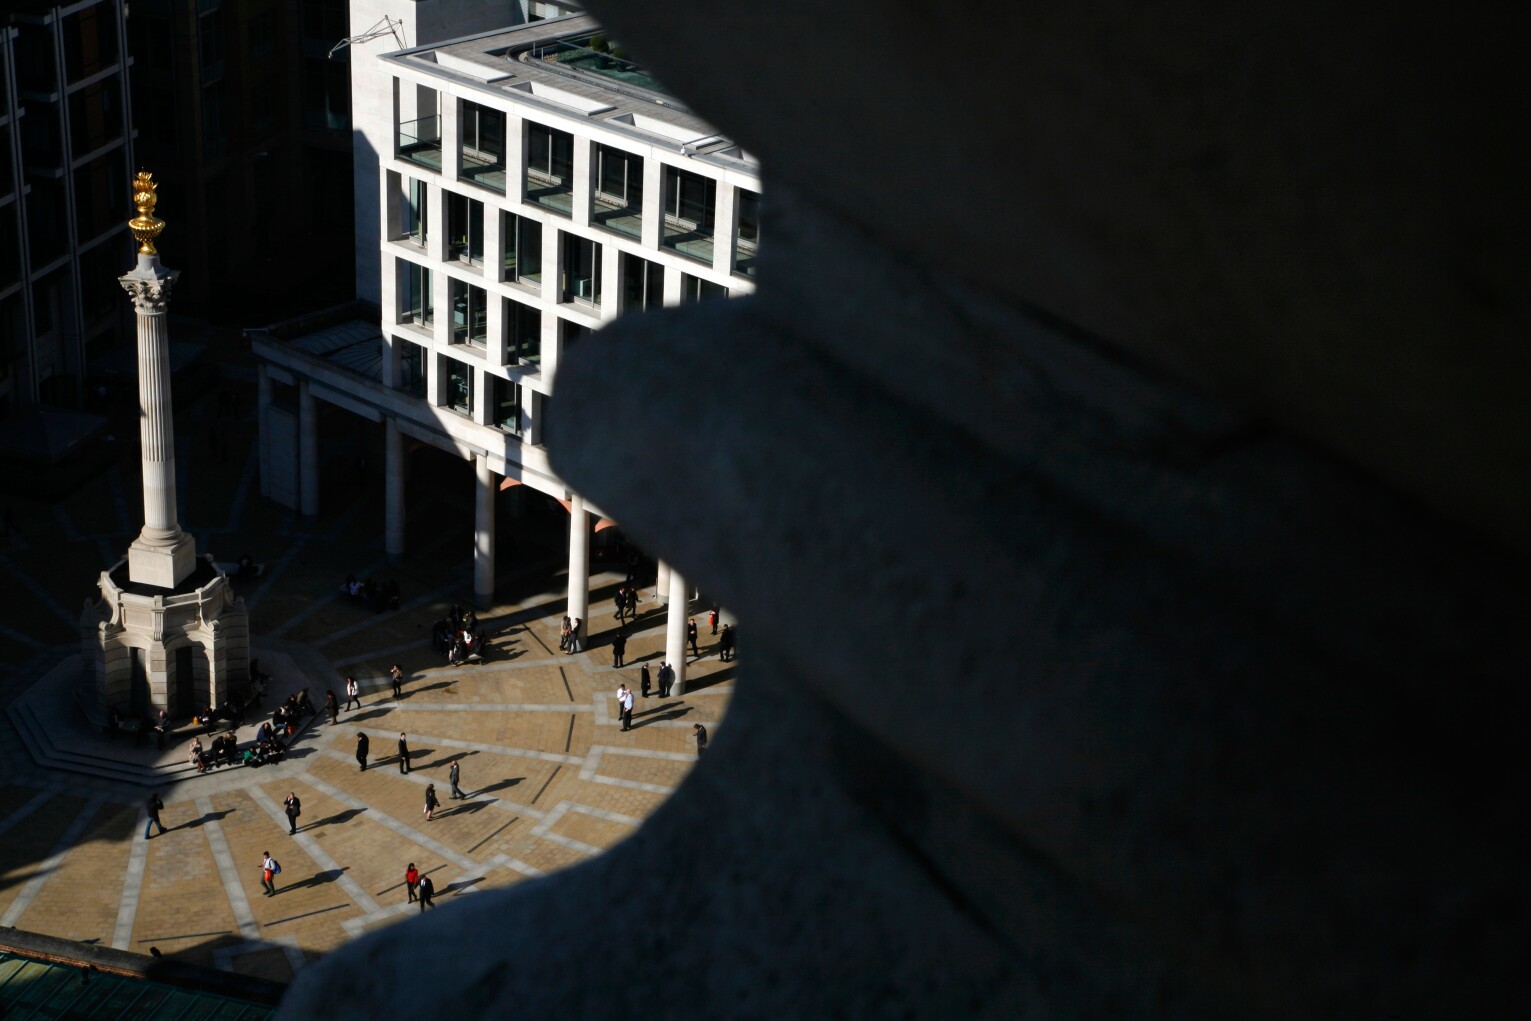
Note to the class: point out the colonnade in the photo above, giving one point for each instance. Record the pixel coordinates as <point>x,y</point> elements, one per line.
<point>486,483</point>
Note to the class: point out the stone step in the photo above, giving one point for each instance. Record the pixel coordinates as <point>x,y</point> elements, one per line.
<point>41,747</point>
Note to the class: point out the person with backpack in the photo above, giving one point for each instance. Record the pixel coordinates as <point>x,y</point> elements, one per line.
<point>270,868</point>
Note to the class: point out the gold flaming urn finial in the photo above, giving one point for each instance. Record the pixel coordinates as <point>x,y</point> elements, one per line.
<point>145,226</point>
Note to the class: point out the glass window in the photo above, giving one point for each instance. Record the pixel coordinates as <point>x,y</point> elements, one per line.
<point>95,116</point>
<point>98,192</point>
<point>459,386</point>
<point>210,44</point>
<point>688,213</point>
<point>618,202</point>
<point>642,283</point>
<point>483,146</point>
<point>505,403</point>
<point>470,315</point>
<point>550,168</point>
<point>415,294</point>
<point>465,229</point>
<point>90,41</point>
<point>416,212</point>
<point>693,288</point>
<point>581,270</point>
<point>419,126</point>
<point>411,368</point>
<point>749,232</point>
<point>523,336</point>
<point>522,238</point>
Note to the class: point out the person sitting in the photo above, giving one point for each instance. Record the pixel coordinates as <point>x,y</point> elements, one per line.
<point>196,756</point>
<point>271,751</point>
<point>469,620</point>
<point>253,758</point>
<point>305,707</point>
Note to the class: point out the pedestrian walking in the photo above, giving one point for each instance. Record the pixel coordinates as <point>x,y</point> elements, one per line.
<point>270,868</point>
<point>155,806</point>
<point>691,637</point>
<point>294,809</point>
<point>398,680</point>
<point>574,636</point>
<point>332,706</point>
<point>620,599</point>
<point>161,729</point>
<point>353,693</point>
<point>632,603</point>
<point>362,745</point>
<point>403,755</point>
<point>700,733</point>
<point>726,643</point>
<point>427,890</point>
<point>430,801</point>
<point>625,706</point>
<point>453,775</point>
<point>712,619</point>
<point>643,679</point>
<point>666,679</point>
<point>411,881</point>
<point>563,635</point>
<point>618,648</point>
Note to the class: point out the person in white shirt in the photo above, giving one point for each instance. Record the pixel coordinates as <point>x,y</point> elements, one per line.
<point>353,693</point>
<point>268,868</point>
<point>625,706</point>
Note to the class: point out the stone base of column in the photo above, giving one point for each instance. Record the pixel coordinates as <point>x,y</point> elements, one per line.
<point>163,566</point>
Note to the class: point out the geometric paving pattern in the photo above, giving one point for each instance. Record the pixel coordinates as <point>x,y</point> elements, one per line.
<point>552,778</point>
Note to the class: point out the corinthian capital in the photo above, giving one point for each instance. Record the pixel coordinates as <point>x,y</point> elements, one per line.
<point>150,296</point>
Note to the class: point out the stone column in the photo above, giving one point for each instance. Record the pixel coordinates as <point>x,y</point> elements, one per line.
<point>579,564</point>
<point>162,555</point>
<point>675,630</point>
<point>263,425</point>
<point>662,582</point>
<point>393,497</point>
<point>308,450</point>
<point>483,528</point>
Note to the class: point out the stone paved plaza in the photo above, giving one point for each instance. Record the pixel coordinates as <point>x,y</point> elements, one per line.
<point>552,778</point>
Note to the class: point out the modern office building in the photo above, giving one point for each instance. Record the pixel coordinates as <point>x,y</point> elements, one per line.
<point>531,185</point>
<point>65,156</point>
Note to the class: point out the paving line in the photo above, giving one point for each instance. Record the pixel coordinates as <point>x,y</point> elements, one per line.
<point>46,869</point>
<point>415,776</point>
<point>119,501</point>
<point>402,829</point>
<point>474,707</point>
<point>132,890</point>
<point>41,594</point>
<point>224,859</point>
<point>312,848</point>
<point>17,636</point>
<point>65,524</point>
<point>494,749</point>
<point>589,774</point>
<point>242,491</point>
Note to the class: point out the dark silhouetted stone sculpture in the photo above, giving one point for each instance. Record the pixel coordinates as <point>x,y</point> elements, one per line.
<point>1070,691</point>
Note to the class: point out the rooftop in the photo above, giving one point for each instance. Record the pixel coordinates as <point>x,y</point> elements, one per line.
<point>569,66</point>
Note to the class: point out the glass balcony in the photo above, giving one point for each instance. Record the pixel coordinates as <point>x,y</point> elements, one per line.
<point>485,169</point>
<point>420,142</point>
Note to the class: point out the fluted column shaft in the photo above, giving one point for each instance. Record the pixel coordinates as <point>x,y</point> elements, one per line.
<point>150,291</point>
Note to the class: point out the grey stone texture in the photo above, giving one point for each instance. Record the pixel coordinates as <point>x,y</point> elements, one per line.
<point>1075,689</point>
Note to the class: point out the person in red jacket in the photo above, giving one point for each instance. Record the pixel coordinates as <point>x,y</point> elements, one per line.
<point>412,880</point>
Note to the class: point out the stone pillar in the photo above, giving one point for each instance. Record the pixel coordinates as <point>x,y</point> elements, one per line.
<point>662,582</point>
<point>675,630</point>
<point>308,450</point>
<point>162,555</point>
<point>579,563</point>
<point>263,425</point>
<point>484,486</point>
<point>393,493</point>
